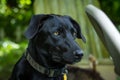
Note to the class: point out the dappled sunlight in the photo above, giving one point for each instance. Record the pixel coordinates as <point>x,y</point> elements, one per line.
<point>7,46</point>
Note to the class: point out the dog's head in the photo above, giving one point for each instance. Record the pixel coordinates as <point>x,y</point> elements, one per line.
<point>55,35</point>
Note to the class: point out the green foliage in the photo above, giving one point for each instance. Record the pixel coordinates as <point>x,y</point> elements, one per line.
<point>10,52</point>
<point>112,9</point>
<point>14,17</point>
<point>118,78</point>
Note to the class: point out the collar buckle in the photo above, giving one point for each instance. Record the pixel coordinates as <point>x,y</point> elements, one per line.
<point>55,72</point>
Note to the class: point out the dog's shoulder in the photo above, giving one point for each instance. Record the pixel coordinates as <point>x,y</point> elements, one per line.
<point>19,68</point>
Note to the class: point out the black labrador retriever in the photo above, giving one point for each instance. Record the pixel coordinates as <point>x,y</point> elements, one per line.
<point>51,46</point>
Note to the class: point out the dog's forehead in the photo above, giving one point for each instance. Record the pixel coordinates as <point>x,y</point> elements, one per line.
<point>57,22</point>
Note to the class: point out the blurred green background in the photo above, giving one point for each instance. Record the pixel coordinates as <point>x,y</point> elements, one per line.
<point>15,17</point>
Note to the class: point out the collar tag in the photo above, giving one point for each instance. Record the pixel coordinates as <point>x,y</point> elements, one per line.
<point>64,77</point>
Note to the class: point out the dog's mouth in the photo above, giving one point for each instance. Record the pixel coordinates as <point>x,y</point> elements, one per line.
<point>77,59</point>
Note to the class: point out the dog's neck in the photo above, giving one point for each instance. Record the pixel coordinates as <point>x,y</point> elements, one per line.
<point>39,60</point>
<point>42,57</point>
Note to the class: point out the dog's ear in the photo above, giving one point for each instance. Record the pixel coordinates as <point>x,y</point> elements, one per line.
<point>35,25</point>
<point>77,27</point>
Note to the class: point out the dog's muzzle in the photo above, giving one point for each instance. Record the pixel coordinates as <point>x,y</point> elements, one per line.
<point>60,56</point>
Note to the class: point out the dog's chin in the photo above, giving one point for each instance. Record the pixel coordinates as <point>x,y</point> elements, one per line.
<point>68,61</point>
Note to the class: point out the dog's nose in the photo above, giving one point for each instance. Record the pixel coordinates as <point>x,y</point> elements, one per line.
<point>78,53</point>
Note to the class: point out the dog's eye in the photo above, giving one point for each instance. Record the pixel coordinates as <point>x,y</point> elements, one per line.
<point>56,33</point>
<point>74,34</point>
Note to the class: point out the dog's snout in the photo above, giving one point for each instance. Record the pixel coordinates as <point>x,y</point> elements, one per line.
<point>78,53</point>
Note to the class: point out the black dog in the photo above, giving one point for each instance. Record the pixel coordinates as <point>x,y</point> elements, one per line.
<point>51,46</point>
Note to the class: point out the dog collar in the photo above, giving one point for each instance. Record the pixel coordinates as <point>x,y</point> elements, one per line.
<point>43,70</point>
